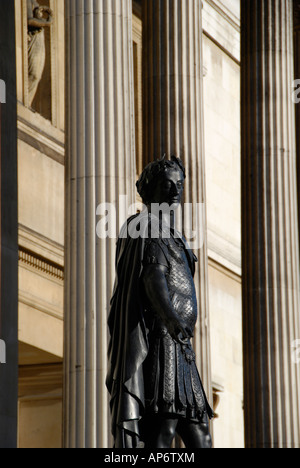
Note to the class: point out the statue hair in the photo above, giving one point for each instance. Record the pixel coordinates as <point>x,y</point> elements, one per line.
<point>150,174</point>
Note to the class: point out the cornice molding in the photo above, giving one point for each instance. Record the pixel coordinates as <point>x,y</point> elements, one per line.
<point>226,14</point>
<point>41,264</point>
<point>37,132</point>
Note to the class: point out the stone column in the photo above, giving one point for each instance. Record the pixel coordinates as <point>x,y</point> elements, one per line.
<point>270,250</point>
<point>8,230</point>
<point>173,123</point>
<point>100,166</point>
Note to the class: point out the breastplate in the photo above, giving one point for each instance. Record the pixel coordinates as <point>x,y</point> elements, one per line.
<point>180,282</point>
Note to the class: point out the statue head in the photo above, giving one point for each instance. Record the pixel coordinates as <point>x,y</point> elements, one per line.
<point>162,181</point>
<point>38,15</point>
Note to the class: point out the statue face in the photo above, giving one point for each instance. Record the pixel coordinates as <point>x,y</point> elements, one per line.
<point>169,188</point>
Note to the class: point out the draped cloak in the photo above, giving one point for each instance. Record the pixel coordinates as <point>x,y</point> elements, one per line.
<point>128,345</point>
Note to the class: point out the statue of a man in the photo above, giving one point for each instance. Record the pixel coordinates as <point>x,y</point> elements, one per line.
<point>38,18</point>
<point>155,387</point>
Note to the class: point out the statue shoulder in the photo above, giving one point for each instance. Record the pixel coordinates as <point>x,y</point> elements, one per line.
<point>156,252</point>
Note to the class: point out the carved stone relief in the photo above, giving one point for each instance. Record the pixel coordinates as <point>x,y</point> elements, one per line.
<point>39,17</point>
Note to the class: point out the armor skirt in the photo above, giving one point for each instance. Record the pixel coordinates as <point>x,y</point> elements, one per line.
<point>172,381</point>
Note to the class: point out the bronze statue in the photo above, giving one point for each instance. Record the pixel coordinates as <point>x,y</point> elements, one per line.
<point>152,378</point>
<point>38,18</point>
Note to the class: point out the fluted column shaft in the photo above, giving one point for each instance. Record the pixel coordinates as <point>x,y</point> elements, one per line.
<point>100,166</point>
<point>173,122</point>
<point>270,249</point>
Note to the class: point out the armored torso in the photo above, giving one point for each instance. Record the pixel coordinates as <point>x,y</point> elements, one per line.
<point>181,283</point>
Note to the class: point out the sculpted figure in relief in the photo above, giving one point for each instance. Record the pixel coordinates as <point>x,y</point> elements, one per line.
<point>39,17</point>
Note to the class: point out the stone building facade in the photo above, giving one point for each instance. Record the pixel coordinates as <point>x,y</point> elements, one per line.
<point>122,82</point>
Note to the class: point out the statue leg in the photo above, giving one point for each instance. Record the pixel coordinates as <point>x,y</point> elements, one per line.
<point>161,431</point>
<point>195,435</point>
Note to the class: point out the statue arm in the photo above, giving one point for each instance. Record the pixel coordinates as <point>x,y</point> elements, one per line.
<point>36,23</point>
<point>157,292</point>
<point>37,20</point>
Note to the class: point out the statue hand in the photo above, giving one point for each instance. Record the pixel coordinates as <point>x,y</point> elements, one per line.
<point>179,331</point>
